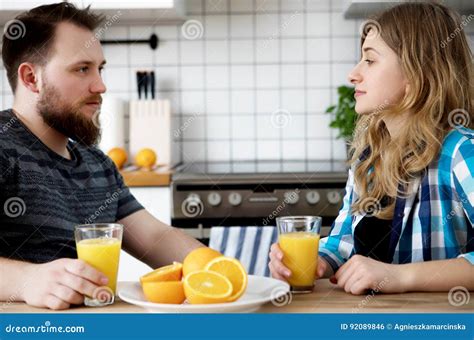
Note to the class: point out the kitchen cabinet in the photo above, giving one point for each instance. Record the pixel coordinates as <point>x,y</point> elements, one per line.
<point>361,9</point>
<point>141,11</point>
<point>158,202</point>
<point>126,12</point>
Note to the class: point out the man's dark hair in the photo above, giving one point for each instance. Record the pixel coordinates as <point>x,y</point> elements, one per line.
<point>30,36</point>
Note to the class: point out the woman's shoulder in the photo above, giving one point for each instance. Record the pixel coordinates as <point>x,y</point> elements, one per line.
<point>458,140</point>
<point>457,151</point>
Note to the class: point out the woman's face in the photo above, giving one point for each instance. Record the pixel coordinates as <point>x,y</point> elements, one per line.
<point>378,77</point>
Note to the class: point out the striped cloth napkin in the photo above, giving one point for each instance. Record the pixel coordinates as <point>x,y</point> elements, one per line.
<point>250,245</point>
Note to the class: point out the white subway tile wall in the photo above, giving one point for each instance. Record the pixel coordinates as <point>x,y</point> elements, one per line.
<point>250,80</point>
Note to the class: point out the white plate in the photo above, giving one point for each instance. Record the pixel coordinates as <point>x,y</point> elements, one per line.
<point>260,290</point>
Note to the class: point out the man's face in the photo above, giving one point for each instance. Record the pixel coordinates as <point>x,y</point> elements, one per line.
<point>71,84</point>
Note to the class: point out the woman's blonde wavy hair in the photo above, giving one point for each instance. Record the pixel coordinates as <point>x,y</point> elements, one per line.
<point>437,62</point>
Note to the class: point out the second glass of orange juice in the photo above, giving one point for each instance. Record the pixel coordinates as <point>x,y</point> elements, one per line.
<point>298,237</point>
<point>99,245</point>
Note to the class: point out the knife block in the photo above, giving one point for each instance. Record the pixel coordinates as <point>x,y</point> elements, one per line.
<point>151,127</point>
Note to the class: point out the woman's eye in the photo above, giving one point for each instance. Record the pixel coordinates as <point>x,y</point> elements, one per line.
<point>368,61</point>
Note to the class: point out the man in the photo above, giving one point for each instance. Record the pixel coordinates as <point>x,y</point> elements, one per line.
<point>51,175</point>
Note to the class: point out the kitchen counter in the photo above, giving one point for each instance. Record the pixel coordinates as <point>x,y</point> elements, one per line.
<point>158,177</point>
<point>326,298</point>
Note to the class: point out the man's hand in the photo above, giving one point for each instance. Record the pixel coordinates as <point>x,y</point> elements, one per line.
<point>60,283</point>
<point>361,273</point>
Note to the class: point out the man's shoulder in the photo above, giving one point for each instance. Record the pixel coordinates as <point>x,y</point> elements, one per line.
<point>93,155</point>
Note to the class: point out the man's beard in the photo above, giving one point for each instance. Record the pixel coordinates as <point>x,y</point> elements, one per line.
<point>67,118</point>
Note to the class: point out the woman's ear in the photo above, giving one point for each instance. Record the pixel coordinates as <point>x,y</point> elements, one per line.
<point>29,77</point>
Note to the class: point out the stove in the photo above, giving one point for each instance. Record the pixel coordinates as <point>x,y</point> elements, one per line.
<point>254,193</point>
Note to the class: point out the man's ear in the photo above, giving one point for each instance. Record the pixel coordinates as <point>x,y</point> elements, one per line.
<point>28,75</point>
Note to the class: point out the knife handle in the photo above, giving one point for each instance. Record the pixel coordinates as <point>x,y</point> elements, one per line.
<point>139,83</point>
<point>152,84</point>
<point>145,84</point>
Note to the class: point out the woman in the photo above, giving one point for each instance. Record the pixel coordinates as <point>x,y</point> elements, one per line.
<point>407,219</point>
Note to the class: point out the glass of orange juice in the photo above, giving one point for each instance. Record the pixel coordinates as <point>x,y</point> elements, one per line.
<point>99,245</point>
<point>298,237</point>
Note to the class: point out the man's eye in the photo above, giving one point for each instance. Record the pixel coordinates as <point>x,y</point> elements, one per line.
<point>83,69</point>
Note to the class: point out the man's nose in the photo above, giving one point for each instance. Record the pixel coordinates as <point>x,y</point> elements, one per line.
<point>98,86</point>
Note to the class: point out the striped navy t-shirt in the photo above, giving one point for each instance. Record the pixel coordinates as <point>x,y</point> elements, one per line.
<point>44,195</point>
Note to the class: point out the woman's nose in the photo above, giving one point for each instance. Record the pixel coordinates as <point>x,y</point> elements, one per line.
<point>354,76</point>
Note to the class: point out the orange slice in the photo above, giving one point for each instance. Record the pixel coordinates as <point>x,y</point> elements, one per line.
<point>233,270</point>
<point>172,272</point>
<point>203,287</point>
<point>164,292</point>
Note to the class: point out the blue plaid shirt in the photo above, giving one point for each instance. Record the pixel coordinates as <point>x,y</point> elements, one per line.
<point>435,219</point>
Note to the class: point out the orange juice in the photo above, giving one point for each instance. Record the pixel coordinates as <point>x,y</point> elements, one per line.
<point>103,254</point>
<point>300,255</point>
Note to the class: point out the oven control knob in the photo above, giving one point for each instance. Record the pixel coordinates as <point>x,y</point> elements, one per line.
<point>334,197</point>
<point>291,197</point>
<point>214,199</point>
<point>312,197</point>
<point>192,206</point>
<point>235,198</point>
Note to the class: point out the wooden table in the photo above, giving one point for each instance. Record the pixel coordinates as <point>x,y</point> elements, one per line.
<point>326,298</point>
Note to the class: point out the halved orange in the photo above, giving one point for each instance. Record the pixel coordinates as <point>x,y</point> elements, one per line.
<point>233,270</point>
<point>203,287</point>
<point>164,291</point>
<point>198,258</point>
<point>172,272</point>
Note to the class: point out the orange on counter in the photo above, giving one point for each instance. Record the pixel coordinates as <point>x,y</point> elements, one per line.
<point>164,291</point>
<point>233,270</point>
<point>172,272</point>
<point>145,158</point>
<point>118,156</point>
<point>198,258</point>
<point>204,287</point>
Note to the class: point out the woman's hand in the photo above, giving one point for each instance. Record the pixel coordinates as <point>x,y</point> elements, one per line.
<point>361,273</point>
<point>280,272</point>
